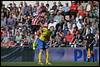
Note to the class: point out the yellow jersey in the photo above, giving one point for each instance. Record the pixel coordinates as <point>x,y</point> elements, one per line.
<point>45,35</point>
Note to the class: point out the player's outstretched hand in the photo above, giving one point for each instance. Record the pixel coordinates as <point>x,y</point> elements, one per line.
<point>33,48</point>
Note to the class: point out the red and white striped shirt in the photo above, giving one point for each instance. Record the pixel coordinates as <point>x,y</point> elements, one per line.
<point>35,21</point>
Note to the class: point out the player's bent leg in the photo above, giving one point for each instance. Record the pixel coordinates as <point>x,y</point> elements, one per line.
<point>92,52</point>
<point>40,57</point>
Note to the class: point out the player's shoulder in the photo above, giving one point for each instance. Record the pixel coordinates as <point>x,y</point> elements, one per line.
<point>44,28</point>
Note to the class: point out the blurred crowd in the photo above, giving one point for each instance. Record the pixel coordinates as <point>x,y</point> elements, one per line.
<point>70,24</point>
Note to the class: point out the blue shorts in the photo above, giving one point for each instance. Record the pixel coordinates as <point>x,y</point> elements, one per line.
<point>42,44</point>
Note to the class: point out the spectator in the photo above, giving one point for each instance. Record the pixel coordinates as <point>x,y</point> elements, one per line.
<point>58,18</point>
<point>25,9</point>
<point>34,11</point>
<point>67,21</point>
<point>47,7</point>
<point>11,21</point>
<point>11,43</point>
<point>18,38</point>
<point>15,9</point>
<point>81,12</point>
<point>94,12</point>
<point>93,28</point>
<point>84,4</point>
<point>29,37</point>
<point>77,40</point>
<point>21,5</point>
<point>80,5</point>
<point>52,24</point>
<point>97,38</point>
<point>30,9</point>
<point>68,38</point>
<point>65,28</point>
<point>88,29</point>
<point>10,6</point>
<point>66,8</point>
<point>59,37</point>
<point>4,11</point>
<point>73,8</point>
<point>54,7</point>
<point>25,41</point>
<point>37,4</point>
<point>10,35</point>
<point>52,41</point>
<point>79,22</point>
<point>89,6</point>
<point>42,7</point>
<point>78,17</point>
<point>60,6</point>
<point>3,21</point>
<point>82,16</point>
<point>5,39</point>
<point>72,19</point>
<point>59,25</point>
<point>51,20</point>
<point>51,16</point>
<point>79,25</point>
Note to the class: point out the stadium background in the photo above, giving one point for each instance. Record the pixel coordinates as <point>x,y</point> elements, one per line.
<point>33,2</point>
<point>25,54</point>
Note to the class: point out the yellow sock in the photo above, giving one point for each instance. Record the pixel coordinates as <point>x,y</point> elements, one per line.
<point>88,53</point>
<point>40,57</point>
<point>47,57</point>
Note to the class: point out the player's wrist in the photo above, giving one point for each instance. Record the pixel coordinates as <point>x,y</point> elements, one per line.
<point>33,48</point>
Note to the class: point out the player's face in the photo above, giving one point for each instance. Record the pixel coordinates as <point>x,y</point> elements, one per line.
<point>44,15</point>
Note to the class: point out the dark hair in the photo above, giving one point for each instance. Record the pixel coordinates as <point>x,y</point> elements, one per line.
<point>47,4</point>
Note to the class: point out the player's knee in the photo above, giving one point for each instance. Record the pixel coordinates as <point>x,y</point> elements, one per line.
<point>40,50</point>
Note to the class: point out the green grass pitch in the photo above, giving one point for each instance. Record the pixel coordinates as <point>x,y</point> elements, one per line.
<point>53,64</point>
